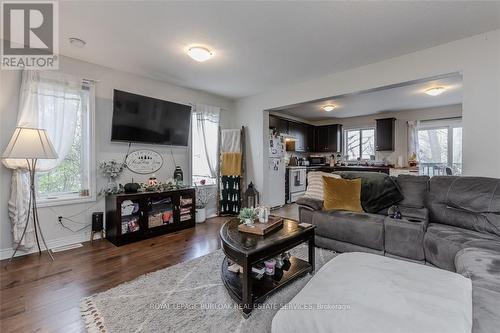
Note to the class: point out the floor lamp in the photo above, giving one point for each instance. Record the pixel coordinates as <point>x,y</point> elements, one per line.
<point>31,144</point>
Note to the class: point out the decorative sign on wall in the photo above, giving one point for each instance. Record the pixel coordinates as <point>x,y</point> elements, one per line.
<point>144,161</point>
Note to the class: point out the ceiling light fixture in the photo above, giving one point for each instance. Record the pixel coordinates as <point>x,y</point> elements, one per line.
<point>435,91</point>
<point>77,42</point>
<point>329,107</point>
<point>200,53</point>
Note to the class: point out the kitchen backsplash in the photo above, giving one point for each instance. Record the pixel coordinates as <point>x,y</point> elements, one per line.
<point>380,156</point>
<point>289,154</point>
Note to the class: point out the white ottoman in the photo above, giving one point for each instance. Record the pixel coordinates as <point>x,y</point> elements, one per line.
<point>360,292</point>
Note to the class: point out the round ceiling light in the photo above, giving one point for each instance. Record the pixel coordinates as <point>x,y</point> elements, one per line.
<point>329,107</point>
<point>199,53</point>
<point>77,42</point>
<point>435,91</point>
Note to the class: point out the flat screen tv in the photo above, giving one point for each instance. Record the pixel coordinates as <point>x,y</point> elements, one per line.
<point>144,119</point>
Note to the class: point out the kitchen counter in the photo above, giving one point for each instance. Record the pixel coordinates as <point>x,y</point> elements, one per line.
<point>405,171</point>
<point>327,168</point>
<point>296,167</point>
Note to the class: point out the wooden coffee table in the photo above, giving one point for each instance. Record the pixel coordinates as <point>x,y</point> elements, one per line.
<point>248,250</point>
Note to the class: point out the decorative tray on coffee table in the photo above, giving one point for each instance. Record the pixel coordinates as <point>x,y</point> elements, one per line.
<point>259,228</point>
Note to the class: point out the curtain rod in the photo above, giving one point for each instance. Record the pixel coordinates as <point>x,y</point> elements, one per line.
<point>90,80</point>
<point>445,118</point>
<point>194,104</point>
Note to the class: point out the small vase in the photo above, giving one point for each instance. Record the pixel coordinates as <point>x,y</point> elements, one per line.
<point>249,222</point>
<point>201,215</point>
<point>112,186</point>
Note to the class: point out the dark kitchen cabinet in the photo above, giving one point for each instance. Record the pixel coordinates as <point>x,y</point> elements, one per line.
<point>283,126</point>
<point>310,138</point>
<point>299,132</point>
<point>321,138</point>
<point>328,138</point>
<point>278,124</point>
<point>334,138</point>
<point>385,134</point>
<point>294,130</point>
<point>273,122</point>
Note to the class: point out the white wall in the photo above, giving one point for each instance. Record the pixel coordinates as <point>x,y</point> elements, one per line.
<point>478,60</point>
<point>109,79</point>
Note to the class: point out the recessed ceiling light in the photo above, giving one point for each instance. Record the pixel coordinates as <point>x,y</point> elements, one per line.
<point>435,91</point>
<point>200,53</point>
<point>329,107</point>
<point>77,42</point>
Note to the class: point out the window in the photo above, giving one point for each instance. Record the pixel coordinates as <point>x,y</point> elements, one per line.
<point>204,145</point>
<point>73,179</point>
<point>359,143</point>
<point>440,147</point>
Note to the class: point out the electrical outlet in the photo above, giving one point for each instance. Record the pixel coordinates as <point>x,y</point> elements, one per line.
<point>59,218</point>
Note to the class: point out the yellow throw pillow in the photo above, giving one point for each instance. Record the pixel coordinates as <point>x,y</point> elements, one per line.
<point>342,194</point>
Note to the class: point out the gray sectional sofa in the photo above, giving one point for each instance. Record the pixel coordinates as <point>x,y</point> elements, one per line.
<point>449,222</point>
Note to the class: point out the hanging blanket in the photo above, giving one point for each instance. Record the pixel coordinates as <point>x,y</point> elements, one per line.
<point>230,141</point>
<point>231,164</point>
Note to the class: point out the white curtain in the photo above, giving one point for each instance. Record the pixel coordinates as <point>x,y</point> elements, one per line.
<point>49,100</point>
<point>412,138</point>
<point>205,116</point>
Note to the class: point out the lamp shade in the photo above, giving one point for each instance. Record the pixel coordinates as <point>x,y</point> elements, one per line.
<point>30,143</point>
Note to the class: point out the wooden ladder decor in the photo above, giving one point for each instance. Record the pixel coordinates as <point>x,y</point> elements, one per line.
<point>230,189</point>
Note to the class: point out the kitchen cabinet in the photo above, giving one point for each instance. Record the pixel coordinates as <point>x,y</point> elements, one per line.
<point>283,126</point>
<point>310,138</point>
<point>298,131</point>
<point>385,134</point>
<point>328,138</point>
<point>279,124</point>
<point>301,138</point>
<point>273,122</point>
<point>321,138</point>
<point>334,138</point>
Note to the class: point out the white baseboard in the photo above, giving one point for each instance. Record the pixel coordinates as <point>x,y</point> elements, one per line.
<point>78,238</point>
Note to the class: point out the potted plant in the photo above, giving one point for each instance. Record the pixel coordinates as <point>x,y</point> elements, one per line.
<point>203,197</point>
<point>248,215</point>
<point>111,170</point>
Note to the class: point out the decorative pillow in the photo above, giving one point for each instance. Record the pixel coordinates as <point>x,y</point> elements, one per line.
<point>314,188</point>
<point>342,194</point>
<point>378,190</point>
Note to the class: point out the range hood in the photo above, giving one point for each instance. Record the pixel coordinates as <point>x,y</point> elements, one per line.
<point>288,137</point>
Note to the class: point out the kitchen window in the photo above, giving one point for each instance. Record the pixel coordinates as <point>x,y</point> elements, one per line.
<point>359,144</point>
<point>440,147</point>
<point>73,180</point>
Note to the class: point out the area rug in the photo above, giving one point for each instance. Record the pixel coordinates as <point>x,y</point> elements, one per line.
<point>187,297</point>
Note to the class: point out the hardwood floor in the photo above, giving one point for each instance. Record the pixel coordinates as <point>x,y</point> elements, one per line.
<point>42,296</point>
